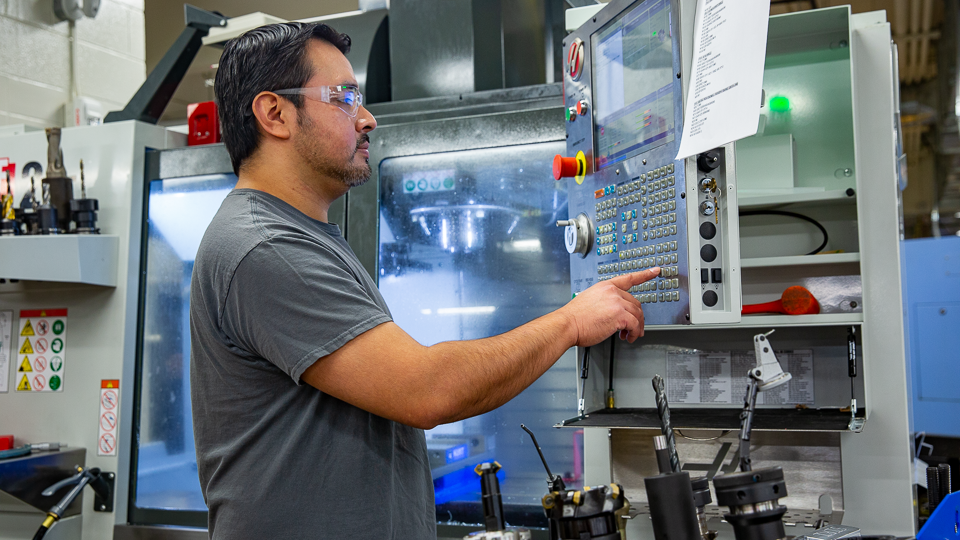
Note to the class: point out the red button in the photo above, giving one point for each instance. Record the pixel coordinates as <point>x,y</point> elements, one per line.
<point>581,107</point>
<point>564,167</point>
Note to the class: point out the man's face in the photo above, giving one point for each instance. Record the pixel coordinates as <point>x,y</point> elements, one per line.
<point>331,142</point>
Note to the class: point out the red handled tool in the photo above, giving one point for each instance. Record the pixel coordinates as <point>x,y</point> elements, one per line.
<point>795,301</point>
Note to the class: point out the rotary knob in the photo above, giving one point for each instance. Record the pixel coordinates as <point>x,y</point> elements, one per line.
<point>708,160</point>
<point>578,235</point>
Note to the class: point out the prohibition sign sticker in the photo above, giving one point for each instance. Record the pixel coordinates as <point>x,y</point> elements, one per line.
<point>42,327</point>
<point>41,346</point>
<point>39,383</point>
<point>109,411</point>
<point>109,400</point>
<point>108,421</point>
<point>40,363</point>
<point>107,443</point>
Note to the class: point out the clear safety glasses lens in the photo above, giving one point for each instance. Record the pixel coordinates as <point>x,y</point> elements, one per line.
<point>347,98</point>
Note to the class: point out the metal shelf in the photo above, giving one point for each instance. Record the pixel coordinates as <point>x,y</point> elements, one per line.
<point>798,199</point>
<point>801,260</point>
<point>821,420</point>
<point>67,258</point>
<point>778,321</point>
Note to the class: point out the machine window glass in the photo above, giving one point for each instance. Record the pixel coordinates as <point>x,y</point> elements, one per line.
<point>633,83</point>
<point>469,249</point>
<point>178,213</point>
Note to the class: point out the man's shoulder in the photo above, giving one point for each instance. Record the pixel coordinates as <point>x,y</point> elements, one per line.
<point>233,232</point>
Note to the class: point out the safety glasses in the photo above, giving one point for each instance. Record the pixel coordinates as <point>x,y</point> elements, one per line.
<point>347,98</point>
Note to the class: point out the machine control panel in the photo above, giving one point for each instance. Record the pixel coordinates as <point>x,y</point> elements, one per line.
<point>642,208</point>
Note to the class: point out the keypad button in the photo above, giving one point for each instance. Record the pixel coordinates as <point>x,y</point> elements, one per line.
<point>644,235</point>
<point>670,168</point>
<point>676,283</point>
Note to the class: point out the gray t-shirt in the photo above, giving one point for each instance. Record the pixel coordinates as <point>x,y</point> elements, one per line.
<point>273,291</point>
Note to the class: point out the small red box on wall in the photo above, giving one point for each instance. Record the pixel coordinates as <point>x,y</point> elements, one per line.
<point>203,122</point>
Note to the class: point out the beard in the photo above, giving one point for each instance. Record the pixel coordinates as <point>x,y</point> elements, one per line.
<point>343,168</point>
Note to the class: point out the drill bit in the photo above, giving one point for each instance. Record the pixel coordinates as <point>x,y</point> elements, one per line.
<point>83,183</point>
<point>663,410</point>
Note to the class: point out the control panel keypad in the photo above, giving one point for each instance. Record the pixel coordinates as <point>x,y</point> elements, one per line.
<point>646,208</point>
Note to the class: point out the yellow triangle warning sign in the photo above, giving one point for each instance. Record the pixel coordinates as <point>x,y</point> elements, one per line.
<point>27,329</point>
<point>25,365</point>
<point>24,385</point>
<point>26,348</point>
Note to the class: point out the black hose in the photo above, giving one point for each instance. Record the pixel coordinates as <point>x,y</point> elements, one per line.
<point>613,343</point>
<point>41,532</point>
<point>793,215</point>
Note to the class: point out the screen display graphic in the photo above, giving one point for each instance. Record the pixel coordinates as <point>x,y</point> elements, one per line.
<point>633,83</point>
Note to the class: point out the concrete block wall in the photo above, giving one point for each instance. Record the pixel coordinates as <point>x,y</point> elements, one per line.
<point>35,59</point>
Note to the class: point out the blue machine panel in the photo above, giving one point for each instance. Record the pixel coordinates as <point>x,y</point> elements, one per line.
<point>932,302</point>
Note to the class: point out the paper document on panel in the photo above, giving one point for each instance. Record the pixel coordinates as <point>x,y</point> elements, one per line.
<point>724,90</point>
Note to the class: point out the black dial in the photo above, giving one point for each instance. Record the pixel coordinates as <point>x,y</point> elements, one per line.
<point>708,160</point>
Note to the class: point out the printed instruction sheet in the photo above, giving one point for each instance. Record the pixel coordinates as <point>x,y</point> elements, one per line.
<point>724,91</point>
<point>697,377</point>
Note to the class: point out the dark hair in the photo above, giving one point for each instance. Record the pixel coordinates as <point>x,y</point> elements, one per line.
<point>271,57</point>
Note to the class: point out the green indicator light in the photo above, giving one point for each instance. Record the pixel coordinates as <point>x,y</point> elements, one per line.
<point>779,104</point>
<point>654,33</point>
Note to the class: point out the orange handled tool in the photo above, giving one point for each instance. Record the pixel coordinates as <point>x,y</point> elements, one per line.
<point>795,301</point>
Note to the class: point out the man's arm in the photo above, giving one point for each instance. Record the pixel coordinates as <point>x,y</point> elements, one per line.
<point>386,372</point>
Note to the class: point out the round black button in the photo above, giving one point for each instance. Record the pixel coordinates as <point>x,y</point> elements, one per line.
<point>710,298</point>
<point>708,230</point>
<point>708,160</point>
<point>708,253</point>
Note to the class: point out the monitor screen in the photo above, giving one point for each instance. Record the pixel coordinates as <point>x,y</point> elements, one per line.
<point>633,82</point>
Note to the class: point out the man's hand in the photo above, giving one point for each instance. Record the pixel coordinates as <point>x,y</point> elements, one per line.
<point>607,307</point>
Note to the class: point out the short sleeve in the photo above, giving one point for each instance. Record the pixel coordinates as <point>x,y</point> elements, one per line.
<point>293,300</point>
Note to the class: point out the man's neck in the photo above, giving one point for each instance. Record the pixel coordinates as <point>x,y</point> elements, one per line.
<point>305,194</point>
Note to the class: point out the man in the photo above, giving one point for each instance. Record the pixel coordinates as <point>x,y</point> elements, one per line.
<point>308,401</point>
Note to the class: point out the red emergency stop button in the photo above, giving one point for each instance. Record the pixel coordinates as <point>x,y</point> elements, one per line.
<point>581,107</point>
<point>565,167</point>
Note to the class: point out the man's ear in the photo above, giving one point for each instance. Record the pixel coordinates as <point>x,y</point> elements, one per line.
<point>274,115</point>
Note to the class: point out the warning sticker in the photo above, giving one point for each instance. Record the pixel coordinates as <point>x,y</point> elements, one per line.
<point>6,339</point>
<point>42,348</point>
<point>109,409</point>
<point>697,377</point>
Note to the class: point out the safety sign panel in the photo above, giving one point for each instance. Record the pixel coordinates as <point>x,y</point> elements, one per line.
<point>41,350</point>
<point>6,340</point>
<point>109,413</point>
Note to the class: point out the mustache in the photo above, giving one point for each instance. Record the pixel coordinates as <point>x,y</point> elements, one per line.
<point>363,139</point>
